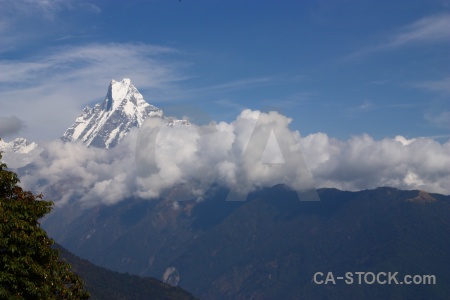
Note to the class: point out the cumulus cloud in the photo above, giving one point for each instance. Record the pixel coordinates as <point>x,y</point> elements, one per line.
<point>10,125</point>
<point>362,162</point>
<point>255,150</point>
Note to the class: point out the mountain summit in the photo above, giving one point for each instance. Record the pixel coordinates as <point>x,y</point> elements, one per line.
<point>105,124</point>
<point>19,145</point>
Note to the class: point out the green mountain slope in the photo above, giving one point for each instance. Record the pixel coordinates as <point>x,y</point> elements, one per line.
<point>109,285</point>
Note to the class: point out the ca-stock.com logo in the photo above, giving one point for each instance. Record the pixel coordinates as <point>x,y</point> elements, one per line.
<point>181,157</point>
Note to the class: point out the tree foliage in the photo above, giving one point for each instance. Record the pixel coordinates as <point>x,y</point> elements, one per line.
<point>29,267</point>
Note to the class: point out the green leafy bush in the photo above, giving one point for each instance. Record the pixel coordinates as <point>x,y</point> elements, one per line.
<point>29,267</point>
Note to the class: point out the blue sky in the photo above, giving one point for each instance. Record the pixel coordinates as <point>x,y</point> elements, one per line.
<point>340,67</point>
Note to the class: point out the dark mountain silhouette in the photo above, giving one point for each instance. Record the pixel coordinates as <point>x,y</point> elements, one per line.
<point>270,246</point>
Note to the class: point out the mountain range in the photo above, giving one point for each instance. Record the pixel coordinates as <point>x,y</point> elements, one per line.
<point>268,247</point>
<point>18,145</point>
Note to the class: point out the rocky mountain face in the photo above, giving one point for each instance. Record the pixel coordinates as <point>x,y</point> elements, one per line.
<point>106,124</point>
<point>270,246</point>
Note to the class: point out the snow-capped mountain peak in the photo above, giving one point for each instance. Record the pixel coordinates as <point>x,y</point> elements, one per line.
<point>105,124</point>
<point>19,145</point>
<point>119,90</point>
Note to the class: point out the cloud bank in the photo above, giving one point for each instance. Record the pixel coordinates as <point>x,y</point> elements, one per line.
<point>255,150</point>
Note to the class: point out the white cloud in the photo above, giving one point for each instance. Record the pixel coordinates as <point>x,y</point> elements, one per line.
<point>27,7</point>
<point>440,119</point>
<point>44,8</point>
<point>431,28</point>
<point>68,63</point>
<point>362,162</point>
<point>441,85</point>
<point>366,105</point>
<point>24,24</point>
<point>156,159</point>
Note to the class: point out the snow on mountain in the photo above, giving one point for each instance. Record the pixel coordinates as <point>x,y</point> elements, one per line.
<point>105,125</point>
<point>19,145</point>
<point>19,152</point>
